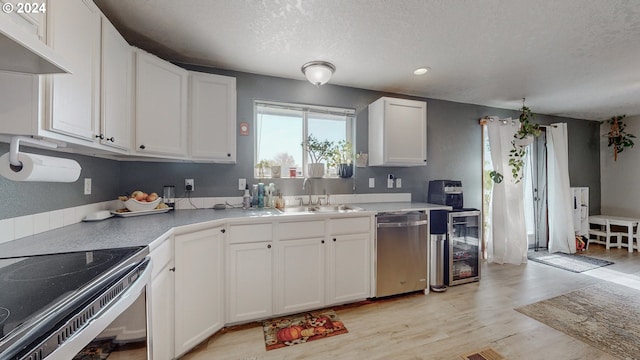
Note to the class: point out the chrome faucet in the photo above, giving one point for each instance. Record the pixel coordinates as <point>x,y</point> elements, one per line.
<point>304,186</point>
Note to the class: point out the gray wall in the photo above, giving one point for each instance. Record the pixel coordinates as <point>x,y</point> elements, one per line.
<point>25,198</point>
<point>453,152</point>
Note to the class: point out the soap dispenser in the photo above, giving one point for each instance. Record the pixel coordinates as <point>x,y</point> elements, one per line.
<point>246,198</point>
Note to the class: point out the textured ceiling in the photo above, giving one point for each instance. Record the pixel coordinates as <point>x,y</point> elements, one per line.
<point>576,58</point>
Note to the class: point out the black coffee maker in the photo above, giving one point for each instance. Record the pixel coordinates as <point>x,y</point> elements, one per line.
<point>446,192</point>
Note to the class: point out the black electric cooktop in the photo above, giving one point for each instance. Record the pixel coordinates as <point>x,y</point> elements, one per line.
<point>31,286</point>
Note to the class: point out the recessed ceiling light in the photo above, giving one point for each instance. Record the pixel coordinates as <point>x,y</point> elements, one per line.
<point>421,71</point>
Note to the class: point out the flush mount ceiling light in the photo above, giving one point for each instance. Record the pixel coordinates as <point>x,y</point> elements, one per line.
<point>318,72</point>
<point>421,71</point>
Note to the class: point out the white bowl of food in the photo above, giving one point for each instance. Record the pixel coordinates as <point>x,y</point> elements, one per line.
<point>140,201</point>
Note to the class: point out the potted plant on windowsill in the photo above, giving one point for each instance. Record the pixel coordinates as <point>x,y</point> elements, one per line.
<point>318,152</point>
<point>263,165</point>
<point>618,137</point>
<point>342,158</point>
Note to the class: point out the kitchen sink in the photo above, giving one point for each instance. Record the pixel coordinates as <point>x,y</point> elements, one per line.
<point>297,209</point>
<point>320,209</point>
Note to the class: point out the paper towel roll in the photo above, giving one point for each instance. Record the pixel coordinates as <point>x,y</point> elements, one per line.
<point>41,168</point>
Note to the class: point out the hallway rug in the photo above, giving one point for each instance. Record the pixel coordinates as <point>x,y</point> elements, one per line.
<point>605,316</point>
<point>571,262</point>
<point>301,328</point>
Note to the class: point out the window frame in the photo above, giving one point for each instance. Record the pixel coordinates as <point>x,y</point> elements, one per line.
<point>305,110</point>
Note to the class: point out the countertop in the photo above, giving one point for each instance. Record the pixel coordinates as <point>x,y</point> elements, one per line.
<point>120,232</point>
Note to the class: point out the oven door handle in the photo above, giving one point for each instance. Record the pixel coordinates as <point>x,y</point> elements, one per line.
<point>78,341</point>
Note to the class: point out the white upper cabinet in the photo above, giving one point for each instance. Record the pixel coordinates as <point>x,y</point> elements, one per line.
<point>212,104</point>
<point>397,132</point>
<point>29,16</point>
<point>117,89</point>
<point>73,31</point>
<point>160,107</point>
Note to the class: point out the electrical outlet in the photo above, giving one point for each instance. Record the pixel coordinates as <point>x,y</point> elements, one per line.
<point>390,181</point>
<point>372,182</point>
<point>189,185</point>
<point>242,184</point>
<point>87,186</point>
<point>398,183</point>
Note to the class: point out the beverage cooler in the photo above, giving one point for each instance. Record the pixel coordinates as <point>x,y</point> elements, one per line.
<point>464,250</point>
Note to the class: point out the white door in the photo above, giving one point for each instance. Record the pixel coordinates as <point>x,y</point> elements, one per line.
<point>199,311</point>
<point>212,117</point>
<point>348,268</point>
<point>74,33</point>
<point>161,106</point>
<point>300,274</point>
<point>405,132</point>
<point>117,83</point>
<point>250,281</point>
<point>162,309</point>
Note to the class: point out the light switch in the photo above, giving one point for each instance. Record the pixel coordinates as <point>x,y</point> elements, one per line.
<point>398,183</point>
<point>372,182</point>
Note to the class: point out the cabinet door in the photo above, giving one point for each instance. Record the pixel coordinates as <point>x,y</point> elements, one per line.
<point>74,33</point>
<point>213,117</point>
<point>250,281</point>
<point>199,259</point>
<point>405,132</point>
<point>300,274</point>
<point>348,268</point>
<point>161,106</point>
<point>117,83</point>
<point>162,310</point>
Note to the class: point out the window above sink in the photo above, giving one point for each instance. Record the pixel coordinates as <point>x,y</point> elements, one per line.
<point>281,128</point>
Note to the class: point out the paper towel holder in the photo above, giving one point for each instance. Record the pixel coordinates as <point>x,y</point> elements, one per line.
<point>14,149</point>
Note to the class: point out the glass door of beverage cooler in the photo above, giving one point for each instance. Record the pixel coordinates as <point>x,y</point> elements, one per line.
<point>464,247</point>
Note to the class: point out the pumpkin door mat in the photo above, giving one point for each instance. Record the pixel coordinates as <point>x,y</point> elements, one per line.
<point>301,328</point>
<point>484,354</point>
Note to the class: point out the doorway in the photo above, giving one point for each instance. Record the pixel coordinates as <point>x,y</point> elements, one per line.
<point>536,194</point>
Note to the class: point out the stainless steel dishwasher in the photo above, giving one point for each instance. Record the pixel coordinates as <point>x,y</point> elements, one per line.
<point>401,245</point>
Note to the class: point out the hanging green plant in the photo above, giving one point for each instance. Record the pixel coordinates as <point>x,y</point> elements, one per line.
<point>617,136</point>
<point>521,139</point>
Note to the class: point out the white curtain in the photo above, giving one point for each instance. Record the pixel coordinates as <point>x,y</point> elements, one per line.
<point>507,238</point>
<point>561,232</point>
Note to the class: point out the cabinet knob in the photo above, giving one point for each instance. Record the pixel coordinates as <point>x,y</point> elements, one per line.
<point>269,246</point>
<point>228,155</point>
<point>173,269</point>
<point>112,139</point>
<point>101,136</point>
<point>322,241</point>
<point>223,231</point>
<point>425,160</point>
<point>142,147</point>
<point>334,239</point>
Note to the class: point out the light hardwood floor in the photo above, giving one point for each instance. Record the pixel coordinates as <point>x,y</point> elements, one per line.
<point>445,325</point>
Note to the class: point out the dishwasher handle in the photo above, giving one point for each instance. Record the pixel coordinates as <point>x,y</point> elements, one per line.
<point>402,224</point>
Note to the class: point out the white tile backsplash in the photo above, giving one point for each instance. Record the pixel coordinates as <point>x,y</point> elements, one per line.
<point>18,227</point>
<point>6,230</point>
<point>41,222</point>
<point>23,226</point>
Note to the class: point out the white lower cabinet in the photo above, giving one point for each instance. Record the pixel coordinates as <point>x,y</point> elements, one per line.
<point>162,302</point>
<point>250,281</point>
<point>250,272</point>
<point>348,268</point>
<point>349,260</point>
<point>300,266</point>
<point>199,287</point>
